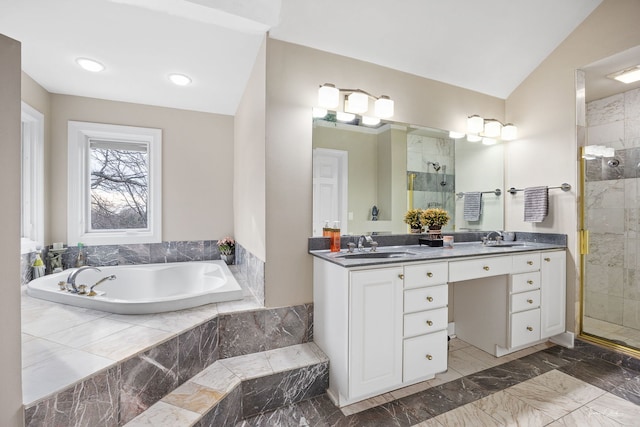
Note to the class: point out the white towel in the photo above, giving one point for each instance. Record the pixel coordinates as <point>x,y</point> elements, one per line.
<point>536,203</point>
<point>472,204</point>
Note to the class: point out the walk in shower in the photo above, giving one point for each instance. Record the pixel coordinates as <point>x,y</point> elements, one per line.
<point>611,213</point>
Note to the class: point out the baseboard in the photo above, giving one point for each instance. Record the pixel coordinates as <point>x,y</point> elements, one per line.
<point>564,339</point>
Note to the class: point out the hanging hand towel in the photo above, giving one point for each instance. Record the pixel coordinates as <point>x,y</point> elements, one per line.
<point>472,203</point>
<point>536,203</point>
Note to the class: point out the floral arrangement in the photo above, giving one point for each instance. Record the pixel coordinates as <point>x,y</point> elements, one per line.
<point>226,245</point>
<point>434,217</point>
<point>413,218</point>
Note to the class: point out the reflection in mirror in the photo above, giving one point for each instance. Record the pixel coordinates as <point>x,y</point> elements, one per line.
<point>394,167</point>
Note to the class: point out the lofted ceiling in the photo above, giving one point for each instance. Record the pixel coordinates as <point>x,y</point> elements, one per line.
<point>488,46</point>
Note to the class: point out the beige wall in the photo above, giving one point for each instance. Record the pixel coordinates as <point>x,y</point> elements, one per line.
<point>197,164</point>
<point>10,362</point>
<point>293,76</point>
<point>544,108</point>
<point>249,162</point>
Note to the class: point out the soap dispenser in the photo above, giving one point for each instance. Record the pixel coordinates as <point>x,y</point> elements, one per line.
<point>80,260</point>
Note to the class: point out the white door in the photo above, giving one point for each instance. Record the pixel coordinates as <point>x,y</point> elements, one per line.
<point>375,331</point>
<point>329,188</point>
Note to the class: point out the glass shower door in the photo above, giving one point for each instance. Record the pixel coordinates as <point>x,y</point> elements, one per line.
<point>611,281</point>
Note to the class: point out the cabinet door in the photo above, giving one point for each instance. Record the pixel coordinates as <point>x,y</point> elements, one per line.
<point>375,333</point>
<point>553,296</point>
<point>425,356</point>
<point>525,327</point>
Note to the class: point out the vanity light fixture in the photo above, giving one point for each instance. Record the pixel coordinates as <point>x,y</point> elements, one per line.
<point>90,64</point>
<point>628,75</point>
<point>345,117</point>
<point>356,101</point>
<point>491,128</point>
<point>489,141</point>
<point>473,138</point>
<point>370,121</point>
<point>456,135</point>
<point>179,79</point>
<point>318,112</point>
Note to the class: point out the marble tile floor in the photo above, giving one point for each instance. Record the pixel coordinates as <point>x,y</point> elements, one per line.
<point>62,345</point>
<point>612,331</point>
<point>543,385</point>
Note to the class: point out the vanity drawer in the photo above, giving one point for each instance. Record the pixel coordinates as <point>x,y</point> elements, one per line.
<point>416,276</point>
<point>425,322</point>
<point>477,268</point>
<point>526,262</point>
<point>525,301</point>
<point>525,281</point>
<point>424,356</point>
<point>426,298</point>
<point>525,327</point>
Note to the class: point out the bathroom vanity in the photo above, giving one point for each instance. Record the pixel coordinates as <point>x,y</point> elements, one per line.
<point>383,322</point>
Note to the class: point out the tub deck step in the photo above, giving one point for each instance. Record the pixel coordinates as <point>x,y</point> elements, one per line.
<point>232,389</point>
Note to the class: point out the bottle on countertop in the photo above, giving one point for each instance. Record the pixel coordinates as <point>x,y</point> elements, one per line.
<point>80,259</point>
<point>335,237</point>
<point>326,230</point>
<point>38,266</point>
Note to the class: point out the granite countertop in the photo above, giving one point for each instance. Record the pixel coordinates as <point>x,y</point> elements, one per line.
<point>416,253</point>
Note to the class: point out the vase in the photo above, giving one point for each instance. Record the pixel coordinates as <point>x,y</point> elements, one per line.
<point>435,232</point>
<point>416,230</point>
<point>228,258</point>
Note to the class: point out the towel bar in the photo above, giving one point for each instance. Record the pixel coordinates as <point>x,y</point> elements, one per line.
<point>497,192</point>
<point>563,187</point>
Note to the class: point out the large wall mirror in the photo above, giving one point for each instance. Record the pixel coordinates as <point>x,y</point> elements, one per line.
<point>395,166</point>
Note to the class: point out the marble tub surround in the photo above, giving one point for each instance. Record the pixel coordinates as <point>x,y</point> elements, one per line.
<point>235,388</point>
<point>323,243</point>
<point>545,385</point>
<point>67,349</point>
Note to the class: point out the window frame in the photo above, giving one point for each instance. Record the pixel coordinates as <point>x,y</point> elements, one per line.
<point>32,179</point>
<point>80,135</point>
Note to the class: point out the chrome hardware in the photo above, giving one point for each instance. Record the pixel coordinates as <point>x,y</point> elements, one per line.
<point>530,301</point>
<point>529,262</point>
<point>62,285</point>
<point>529,328</point>
<point>401,276</point>
<point>430,299</point>
<point>82,289</point>
<point>429,322</point>
<point>485,268</point>
<point>92,293</point>
<point>548,259</point>
<point>530,282</point>
<point>429,274</point>
<point>71,279</point>
<point>429,357</point>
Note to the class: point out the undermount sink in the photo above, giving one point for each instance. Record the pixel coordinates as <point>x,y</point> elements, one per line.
<point>504,245</point>
<point>361,255</point>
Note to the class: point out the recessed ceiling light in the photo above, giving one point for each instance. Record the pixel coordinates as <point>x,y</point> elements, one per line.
<point>628,75</point>
<point>90,64</point>
<point>179,79</point>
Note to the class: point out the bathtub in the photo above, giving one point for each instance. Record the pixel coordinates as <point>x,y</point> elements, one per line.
<point>146,288</point>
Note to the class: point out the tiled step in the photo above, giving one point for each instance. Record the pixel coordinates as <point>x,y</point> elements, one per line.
<point>232,389</point>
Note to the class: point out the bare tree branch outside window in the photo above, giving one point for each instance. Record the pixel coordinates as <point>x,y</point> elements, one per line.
<point>119,186</point>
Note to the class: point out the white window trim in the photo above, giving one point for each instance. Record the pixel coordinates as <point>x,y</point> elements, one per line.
<point>32,176</point>
<point>78,185</point>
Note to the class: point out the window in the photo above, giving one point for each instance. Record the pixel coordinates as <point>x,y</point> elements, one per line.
<point>32,181</point>
<point>114,184</point>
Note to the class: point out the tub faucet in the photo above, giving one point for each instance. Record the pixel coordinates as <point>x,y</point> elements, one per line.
<point>92,293</point>
<point>71,280</point>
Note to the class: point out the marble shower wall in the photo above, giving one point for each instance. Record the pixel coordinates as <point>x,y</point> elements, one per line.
<point>612,279</point>
<point>432,189</point>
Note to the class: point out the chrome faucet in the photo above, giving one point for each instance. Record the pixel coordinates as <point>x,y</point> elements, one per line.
<point>492,238</point>
<point>372,243</point>
<point>71,280</point>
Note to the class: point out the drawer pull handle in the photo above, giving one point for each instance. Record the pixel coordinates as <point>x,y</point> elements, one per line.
<point>529,262</point>
<point>401,276</point>
<point>429,274</point>
<point>530,282</point>
<point>485,268</point>
<point>529,328</point>
<point>430,299</point>
<point>429,322</point>
<point>429,357</point>
<point>548,259</point>
<point>530,301</point>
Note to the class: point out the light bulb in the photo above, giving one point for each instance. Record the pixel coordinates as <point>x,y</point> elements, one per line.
<point>475,124</point>
<point>384,107</point>
<point>358,103</point>
<point>328,96</point>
